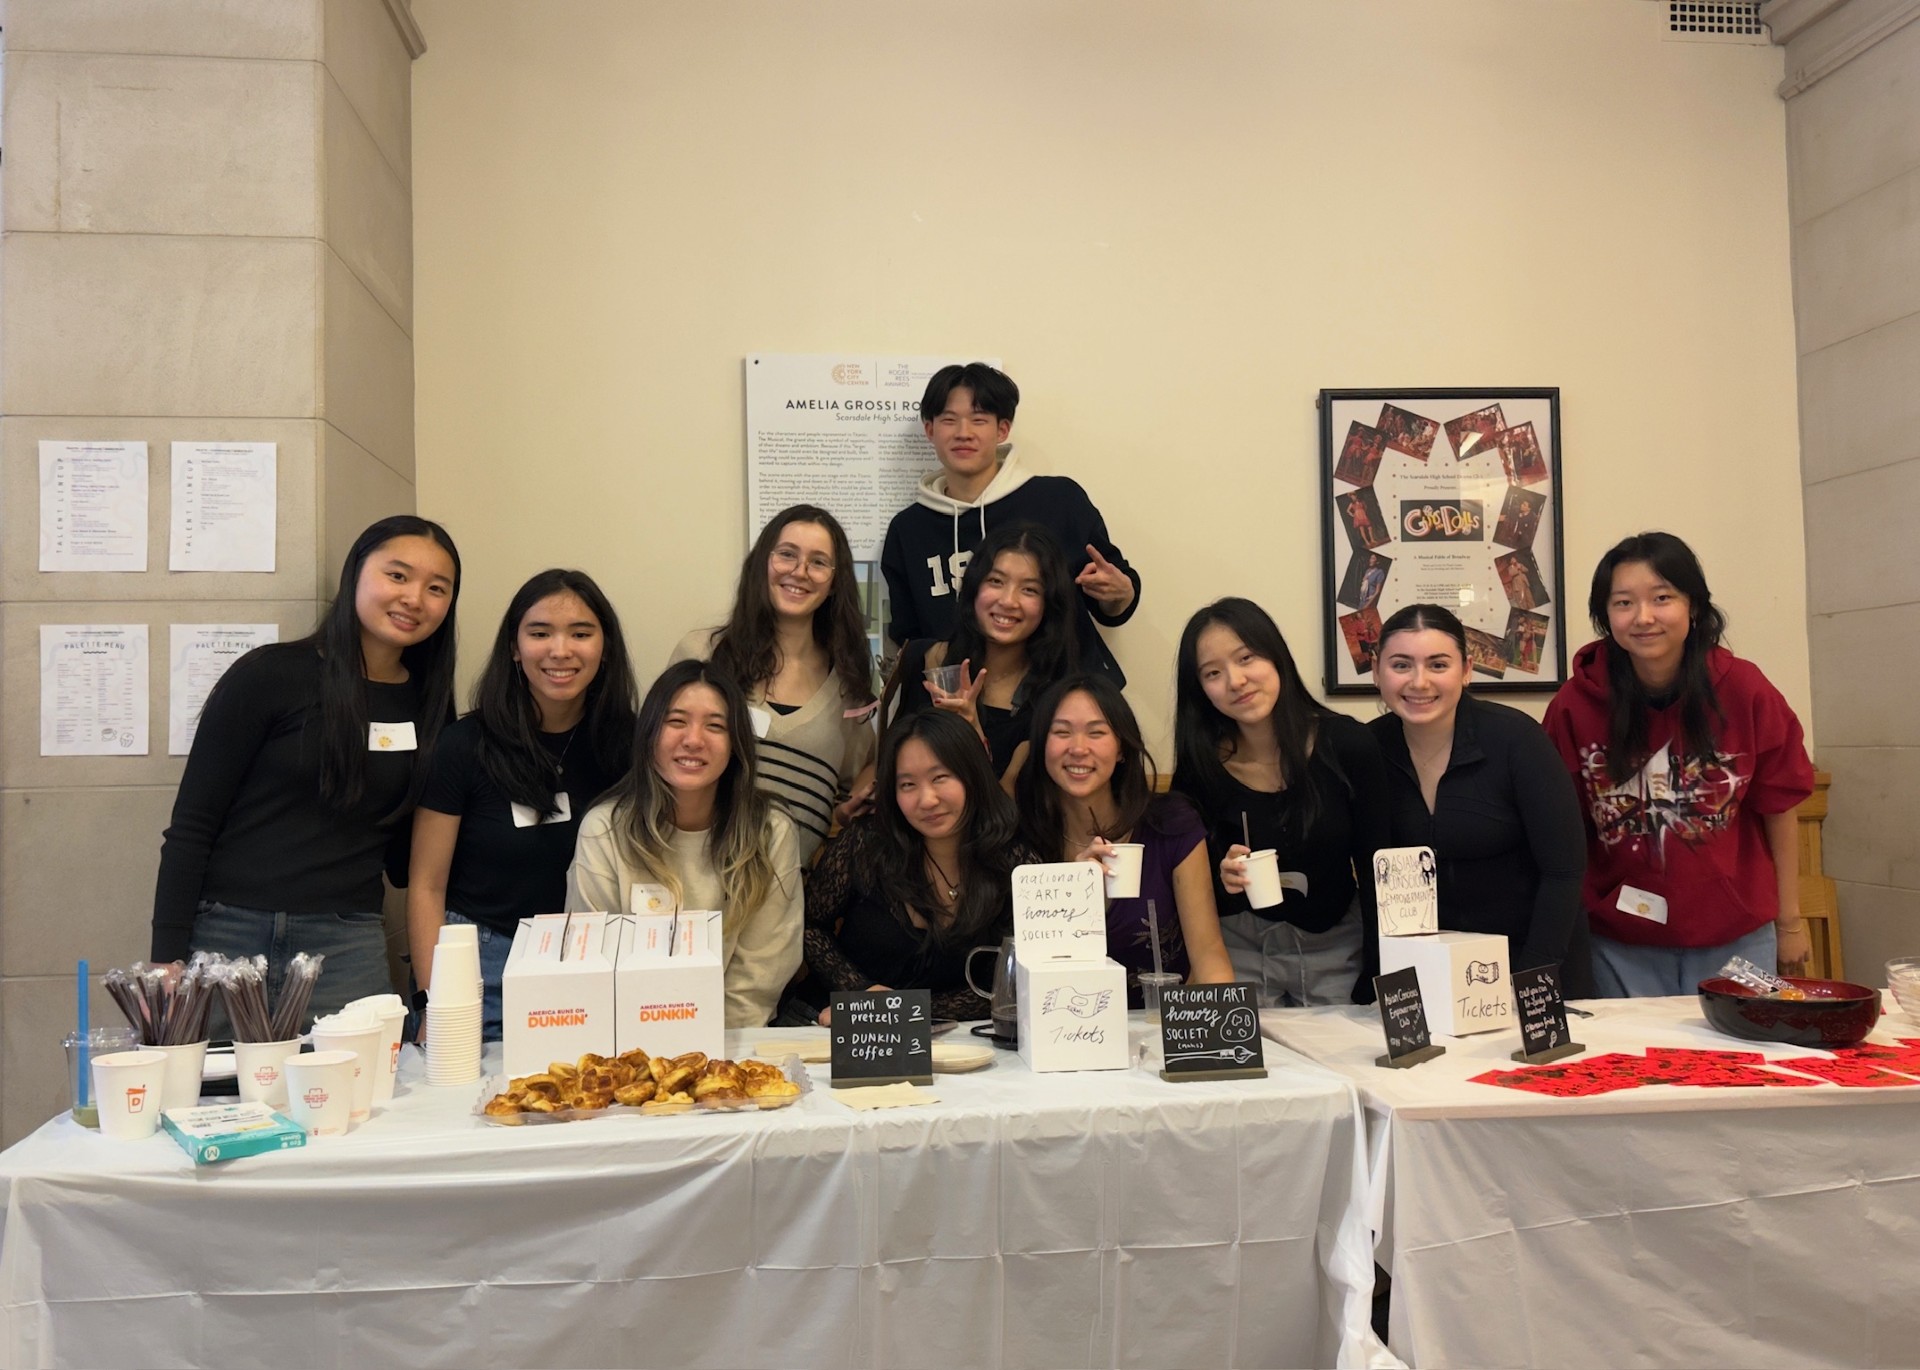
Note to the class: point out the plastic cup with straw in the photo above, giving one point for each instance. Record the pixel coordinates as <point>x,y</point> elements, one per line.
<point>1152,982</point>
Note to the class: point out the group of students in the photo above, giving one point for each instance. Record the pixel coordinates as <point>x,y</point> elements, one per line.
<point>1637,839</point>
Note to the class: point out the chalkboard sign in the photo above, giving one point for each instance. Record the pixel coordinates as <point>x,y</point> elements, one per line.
<point>1543,1017</point>
<point>1211,1032</point>
<point>882,1037</point>
<point>1404,1016</point>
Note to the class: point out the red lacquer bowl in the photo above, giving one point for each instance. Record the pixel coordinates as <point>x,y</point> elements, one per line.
<point>1835,1013</point>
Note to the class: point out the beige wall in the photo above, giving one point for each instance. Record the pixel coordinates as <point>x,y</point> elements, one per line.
<point>1853,139</point>
<point>1174,222</point>
<point>206,235</point>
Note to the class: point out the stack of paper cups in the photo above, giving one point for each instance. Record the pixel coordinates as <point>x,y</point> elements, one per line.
<point>453,1008</point>
<point>358,1032</point>
<point>391,1012</point>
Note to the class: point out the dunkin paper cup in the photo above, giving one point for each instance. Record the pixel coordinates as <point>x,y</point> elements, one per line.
<point>258,1067</point>
<point>360,1035</point>
<point>1123,870</point>
<point>185,1066</point>
<point>126,1089</point>
<point>390,1011</point>
<point>1263,879</point>
<point>320,1091</point>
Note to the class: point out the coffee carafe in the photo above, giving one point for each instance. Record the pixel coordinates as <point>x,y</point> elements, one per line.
<point>1004,1009</point>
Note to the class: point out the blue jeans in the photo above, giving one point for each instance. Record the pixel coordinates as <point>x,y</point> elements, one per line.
<point>1292,967</point>
<point>494,947</point>
<point>355,945</point>
<point>1623,970</point>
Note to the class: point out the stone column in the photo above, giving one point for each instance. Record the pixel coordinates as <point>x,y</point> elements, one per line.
<point>1853,172</point>
<point>207,235</point>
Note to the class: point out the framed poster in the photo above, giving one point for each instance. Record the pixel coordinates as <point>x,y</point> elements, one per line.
<point>1448,497</point>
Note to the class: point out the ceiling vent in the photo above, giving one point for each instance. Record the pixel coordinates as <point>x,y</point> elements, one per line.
<point>1715,21</point>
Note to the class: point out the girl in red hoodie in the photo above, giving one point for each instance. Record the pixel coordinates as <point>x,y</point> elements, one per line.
<point>1689,765</point>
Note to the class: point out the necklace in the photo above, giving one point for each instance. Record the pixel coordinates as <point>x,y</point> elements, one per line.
<point>560,761</point>
<point>953,887</point>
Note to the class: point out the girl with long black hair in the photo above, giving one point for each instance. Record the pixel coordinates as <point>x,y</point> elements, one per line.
<point>1013,638</point>
<point>1689,764</point>
<point>1257,754</point>
<point>309,757</point>
<point>1090,785</point>
<point>900,896</point>
<point>551,730</point>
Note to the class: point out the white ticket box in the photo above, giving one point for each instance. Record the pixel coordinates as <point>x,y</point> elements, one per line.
<point>556,992</point>
<point>1072,995</point>
<point>1465,979</point>
<point>670,1000</point>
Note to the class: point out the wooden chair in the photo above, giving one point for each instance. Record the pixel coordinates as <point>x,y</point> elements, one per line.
<point>1819,904</point>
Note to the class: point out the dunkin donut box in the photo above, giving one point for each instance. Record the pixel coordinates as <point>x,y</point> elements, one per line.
<point>670,990</point>
<point>556,993</point>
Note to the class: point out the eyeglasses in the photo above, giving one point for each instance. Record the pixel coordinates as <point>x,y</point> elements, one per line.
<point>788,559</point>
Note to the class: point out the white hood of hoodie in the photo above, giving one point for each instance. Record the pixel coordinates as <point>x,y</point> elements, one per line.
<point>933,492</point>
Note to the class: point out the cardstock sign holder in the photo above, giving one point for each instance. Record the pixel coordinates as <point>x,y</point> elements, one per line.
<point>882,1037</point>
<point>1543,1017</point>
<point>1404,1017</point>
<point>1211,1032</point>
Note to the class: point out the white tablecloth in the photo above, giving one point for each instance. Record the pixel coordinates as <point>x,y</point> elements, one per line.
<point>1652,1226</point>
<point>1057,1220</point>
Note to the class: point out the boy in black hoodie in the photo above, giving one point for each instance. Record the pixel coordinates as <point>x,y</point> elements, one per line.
<point>968,413</point>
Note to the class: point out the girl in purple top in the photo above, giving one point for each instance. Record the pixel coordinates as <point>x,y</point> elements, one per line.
<point>1086,787</point>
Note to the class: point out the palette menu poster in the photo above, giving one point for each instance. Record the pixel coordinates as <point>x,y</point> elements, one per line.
<point>1448,497</point>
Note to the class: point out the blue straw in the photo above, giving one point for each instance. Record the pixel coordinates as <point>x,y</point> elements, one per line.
<point>86,1068</point>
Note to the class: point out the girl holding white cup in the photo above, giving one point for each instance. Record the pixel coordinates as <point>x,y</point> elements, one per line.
<point>1090,798</point>
<point>1260,757</point>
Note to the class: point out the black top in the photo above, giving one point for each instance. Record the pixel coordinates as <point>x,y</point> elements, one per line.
<point>855,938</point>
<point>1005,729</point>
<point>502,873</point>
<point>1505,829</point>
<point>249,826</point>
<point>1349,825</point>
<point>917,559</point>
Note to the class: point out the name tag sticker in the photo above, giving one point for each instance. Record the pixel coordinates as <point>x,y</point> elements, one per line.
<point>1642,904</point>
<point>650,899</point>
<point>391,737</point>
<point>525,817</point>
<point>761,719</point>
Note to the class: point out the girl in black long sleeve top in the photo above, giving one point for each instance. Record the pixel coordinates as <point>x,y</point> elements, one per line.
<point>304,771</point>
<point>1483,786</point>
<point>1255,748</point>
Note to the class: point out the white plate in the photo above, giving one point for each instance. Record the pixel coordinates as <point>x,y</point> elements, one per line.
<point>811,1051</point>
<point>218,1065</point>
<point>956,1058</point>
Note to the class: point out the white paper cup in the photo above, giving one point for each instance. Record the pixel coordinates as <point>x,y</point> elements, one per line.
<point>258,1066</point>
<point>392,1022</point>
<point>320,1091</point>
<point>1263,879</point>
<point>456,976</point>
<point>126,1089</point>
<point>1123,870</point>
<point>185,1066</point>
<point>458,935</point>
<point>362,1037</point>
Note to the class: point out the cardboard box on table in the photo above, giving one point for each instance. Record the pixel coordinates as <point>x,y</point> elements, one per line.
<point>1465,979</point>
<point>666,1003</point>
<point>1072,995</point>
<point>556,993</point>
